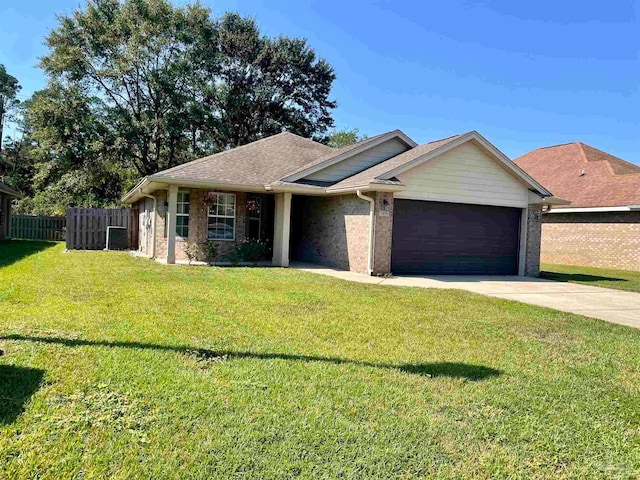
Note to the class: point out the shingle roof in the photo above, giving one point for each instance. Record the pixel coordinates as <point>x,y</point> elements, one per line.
<point>279,161</point>
<point>335,152</point>
<point>371,175</point>
<point>586,176</point>
<point>258,163</point>
<point>4,188</point>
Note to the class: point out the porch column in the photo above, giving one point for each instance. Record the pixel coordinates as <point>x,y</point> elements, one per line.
<point>281,226</point>
<point>171,223</point>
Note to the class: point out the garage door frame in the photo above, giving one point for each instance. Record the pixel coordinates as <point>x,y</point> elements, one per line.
<point>522,230</point>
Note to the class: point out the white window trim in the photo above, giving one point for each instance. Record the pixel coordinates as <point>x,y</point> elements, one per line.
<point>235,208</point>
<point>178,214</point>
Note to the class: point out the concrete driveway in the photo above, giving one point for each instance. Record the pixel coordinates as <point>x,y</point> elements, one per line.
<point>610,305</point>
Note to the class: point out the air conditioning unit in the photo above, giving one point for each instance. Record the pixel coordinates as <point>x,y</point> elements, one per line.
<point>117,238</point>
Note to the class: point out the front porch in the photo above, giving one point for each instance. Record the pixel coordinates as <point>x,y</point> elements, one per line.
<point>332,231</point>
<point>174,218</point>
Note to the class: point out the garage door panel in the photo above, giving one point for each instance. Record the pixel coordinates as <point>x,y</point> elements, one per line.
<point>450,238</point>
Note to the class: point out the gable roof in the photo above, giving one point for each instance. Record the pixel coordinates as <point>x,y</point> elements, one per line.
<point>586,176</point>
<point>7,190</point>
<point>385,172</point>
<point>373,174</point>
<point>280,163</point>
<point>338,154</point>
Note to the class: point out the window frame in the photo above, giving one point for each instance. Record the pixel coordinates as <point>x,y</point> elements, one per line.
<point>178,214</point>
<point>210,215</point>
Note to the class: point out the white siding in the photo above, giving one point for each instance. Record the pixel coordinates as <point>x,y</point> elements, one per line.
<point>464,174</point>
<point>359,162</point>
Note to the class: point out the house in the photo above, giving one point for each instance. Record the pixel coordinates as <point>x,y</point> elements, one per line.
<point>7,194</point>
<point>385,204</point>
<point>601,226</point>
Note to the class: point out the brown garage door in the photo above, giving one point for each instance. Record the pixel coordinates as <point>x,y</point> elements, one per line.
<point>437,238</point>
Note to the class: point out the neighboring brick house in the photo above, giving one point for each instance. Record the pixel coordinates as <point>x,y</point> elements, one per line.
<point>386,204</point>
<point>7,195</point>
<point>601,226</point>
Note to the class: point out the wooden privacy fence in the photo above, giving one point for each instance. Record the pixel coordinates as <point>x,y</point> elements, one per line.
<point>29,227</point>
<point>87,227</point>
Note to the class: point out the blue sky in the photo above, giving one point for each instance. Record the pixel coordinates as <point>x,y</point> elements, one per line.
<point>524,74</point>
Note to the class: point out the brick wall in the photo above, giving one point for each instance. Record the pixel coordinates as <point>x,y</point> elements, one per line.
<point>383,232</point>
<point>197,224</point>
<point>332,231</point>
<point>606,240</point>
<point>532,255</point>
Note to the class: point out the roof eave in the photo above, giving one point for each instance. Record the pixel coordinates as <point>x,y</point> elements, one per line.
<point>339,158</point>
<point>324,191</point>
<point>161,182</point>
<point>473,135</point>
<point>551,201</point>
<point>367,187</point>
<point>624,208</point>
<point>7,190</point>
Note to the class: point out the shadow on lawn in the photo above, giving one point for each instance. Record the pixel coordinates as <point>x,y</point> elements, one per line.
<point>578,277</point>
<point>441,369</point>
<point>12,251</point>
<point>17,385</point>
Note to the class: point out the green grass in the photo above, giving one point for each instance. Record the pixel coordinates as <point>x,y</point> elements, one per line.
<point>598,277</point>
<point>116,367</point>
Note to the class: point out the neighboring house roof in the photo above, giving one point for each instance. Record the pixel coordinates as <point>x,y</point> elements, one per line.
<point>282,163</point>
<point>7,190</point>
<point>586,176</point>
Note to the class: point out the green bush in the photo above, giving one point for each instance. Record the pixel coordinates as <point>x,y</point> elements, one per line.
<point>210,250</point>
<point>247,251</point>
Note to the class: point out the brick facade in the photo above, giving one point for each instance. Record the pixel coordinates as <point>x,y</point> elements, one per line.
<point>197,224</point>
<point>532,254</point>
<point>605,240</point>
<point>382,233</point>
<point>332,231</point>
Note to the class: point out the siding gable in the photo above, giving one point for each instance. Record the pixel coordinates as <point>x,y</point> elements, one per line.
<point>465,174</point>
<point>359,162</point>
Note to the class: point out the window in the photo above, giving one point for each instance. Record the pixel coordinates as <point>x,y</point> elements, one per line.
<point>222,216</point>
<point>182,214</point>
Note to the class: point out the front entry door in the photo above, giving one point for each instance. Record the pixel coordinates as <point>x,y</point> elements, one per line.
<point>254,217</point>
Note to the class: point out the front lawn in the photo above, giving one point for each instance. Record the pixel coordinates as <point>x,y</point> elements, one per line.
<point>116,367</point>
<point>598,277</point>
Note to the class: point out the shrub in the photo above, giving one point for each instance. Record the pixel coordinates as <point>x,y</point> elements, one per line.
<point>247,251</point>
<point>191,251</point>
<point>210,250</point>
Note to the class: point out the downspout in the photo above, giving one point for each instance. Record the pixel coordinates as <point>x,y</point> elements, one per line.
<point>372,226</point>
<point>153,222</point>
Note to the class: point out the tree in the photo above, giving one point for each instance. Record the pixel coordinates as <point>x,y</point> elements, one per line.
<point>343,138</point>
<point>172,83</point>
<point>17,160</point>
<point>74,151</point>
<point>9,86</point>
<point>268,85</point>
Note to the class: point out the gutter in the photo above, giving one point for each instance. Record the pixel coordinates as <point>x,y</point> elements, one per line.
<point>628,208</point>
<point>153,222</point>
<point>322,191</point>
<point>372,226</point>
